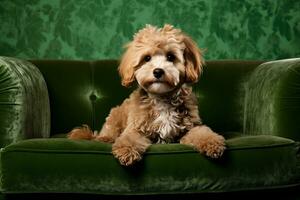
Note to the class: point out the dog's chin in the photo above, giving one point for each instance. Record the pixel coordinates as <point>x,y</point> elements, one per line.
<point>159,88</point>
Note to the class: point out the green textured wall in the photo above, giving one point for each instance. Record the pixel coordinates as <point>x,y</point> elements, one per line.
<point>97,29</point>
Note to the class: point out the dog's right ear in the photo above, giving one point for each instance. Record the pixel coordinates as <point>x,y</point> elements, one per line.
<point>126,67</point>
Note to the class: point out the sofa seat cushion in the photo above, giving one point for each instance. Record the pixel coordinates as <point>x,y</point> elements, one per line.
<point>78,166</point>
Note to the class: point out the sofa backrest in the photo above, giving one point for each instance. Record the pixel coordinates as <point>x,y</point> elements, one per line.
<point>221,94</point>
<point>83,92</point>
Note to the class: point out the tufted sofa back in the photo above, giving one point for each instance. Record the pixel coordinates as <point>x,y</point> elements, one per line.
<point>83,92</point>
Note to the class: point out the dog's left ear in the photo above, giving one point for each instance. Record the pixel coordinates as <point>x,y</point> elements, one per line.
<point>193,60</point>
<point>126,67</point>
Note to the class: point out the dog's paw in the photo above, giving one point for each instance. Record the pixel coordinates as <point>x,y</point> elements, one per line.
<point>205,141</point>
<point>214,147</point>
<point>126,155</point>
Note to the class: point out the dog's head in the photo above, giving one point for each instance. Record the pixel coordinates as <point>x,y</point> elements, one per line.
<point>160,60</point>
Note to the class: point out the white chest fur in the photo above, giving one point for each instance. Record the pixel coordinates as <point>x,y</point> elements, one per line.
<point>167,122</point>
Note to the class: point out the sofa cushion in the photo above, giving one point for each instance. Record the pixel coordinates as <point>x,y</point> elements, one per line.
<point>78,166</point>
<point>83,92</point>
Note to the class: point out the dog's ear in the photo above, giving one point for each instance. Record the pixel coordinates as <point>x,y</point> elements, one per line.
<point>126,67</point>
<point>193,60</point>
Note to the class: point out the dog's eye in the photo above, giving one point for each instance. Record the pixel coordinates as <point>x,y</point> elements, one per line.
<point>170,57</point>
<point>147,58</point>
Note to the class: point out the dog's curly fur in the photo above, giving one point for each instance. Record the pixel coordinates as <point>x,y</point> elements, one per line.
<point>163,61</point>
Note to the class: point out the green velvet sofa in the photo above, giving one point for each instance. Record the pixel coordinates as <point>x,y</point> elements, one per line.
<point>254,104</point>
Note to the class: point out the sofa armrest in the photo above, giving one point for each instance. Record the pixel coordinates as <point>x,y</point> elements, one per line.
<point>272,99</point>
<point>24,102</point>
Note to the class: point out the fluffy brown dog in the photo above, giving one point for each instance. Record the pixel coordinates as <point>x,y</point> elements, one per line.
<point>163,61</point>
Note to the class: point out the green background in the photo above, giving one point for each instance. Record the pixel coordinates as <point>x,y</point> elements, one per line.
<point>97,29</point>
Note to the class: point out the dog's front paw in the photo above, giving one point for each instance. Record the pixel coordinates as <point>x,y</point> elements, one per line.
<point>205,141</point>
<point>213,147</point>
<point>126,155</point>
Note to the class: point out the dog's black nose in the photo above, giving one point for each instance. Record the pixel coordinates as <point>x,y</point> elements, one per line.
<point>158,72</point>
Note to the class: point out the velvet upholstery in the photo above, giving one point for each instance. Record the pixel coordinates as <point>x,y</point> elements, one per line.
<point>24,102</point>
<point>272,93</point>
<point>61,165</point>
<point>94,87</point>
<point>254,104</point>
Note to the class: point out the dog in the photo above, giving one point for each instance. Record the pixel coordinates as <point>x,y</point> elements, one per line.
<point>164,62</point>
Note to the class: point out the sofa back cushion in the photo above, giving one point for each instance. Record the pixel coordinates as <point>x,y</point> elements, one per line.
<point>80,92</point>
<point>221,93</point>
<point>83,92</point>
